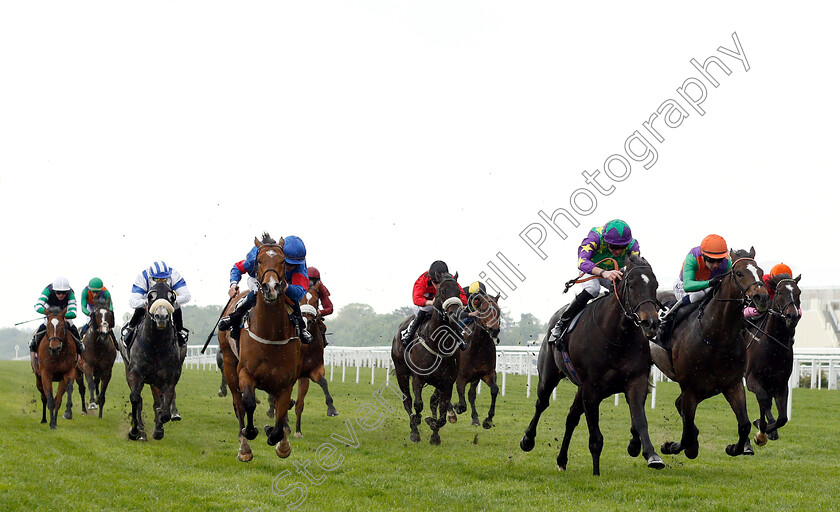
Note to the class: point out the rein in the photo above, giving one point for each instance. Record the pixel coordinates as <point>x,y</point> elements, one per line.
<point>765,320</point>
<point>743,299</point>
<point>632,315</point>
<point>578,279</point>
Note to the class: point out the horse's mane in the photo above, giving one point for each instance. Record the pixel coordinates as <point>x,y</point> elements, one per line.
<point>636,261</point>
<point>266,238</point>
<point>774,280</point>
<point>741,253</point>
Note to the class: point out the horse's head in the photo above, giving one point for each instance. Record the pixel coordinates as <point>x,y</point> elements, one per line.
<point>488,313</point>
<point>786,301</point>
<point>637,295</point>
<point>270,268</point>
<point>746,277</point>
<point>161,300</point>
<point>103,318</point>
<point>448,298</point>
<point>56,329</point>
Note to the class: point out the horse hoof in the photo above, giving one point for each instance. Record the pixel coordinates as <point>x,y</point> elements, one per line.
<point>331,411</point>
<point>527,444</point>
<point>176,417</point>
<point>43,421</point>
<point>475,423</point>
<point>748,449</point>
<point>634,448</point>
<point>164,418</point>
<point>250,433</point>
<point>283,449</point>
<point>460,409</point>
<point>298,435</point>
<point>158,434</point>
<point>244,456</point>
<point>655,462</point>
<point>670,448</point>
<point>68,415</point>
<point>53,426</point>
<point>453,418</point>
<point>773,436</point>
<point>223,393</point>
<point>435,439</point>
<point>93,407</point>
<point>133,434</point>
<point>415,437</point>
<point>760,439</point>
<point>692,453</point>
<point>142,436</point>
<point>487,424</point>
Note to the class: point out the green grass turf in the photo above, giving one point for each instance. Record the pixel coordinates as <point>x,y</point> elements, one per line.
<point>89,464</point>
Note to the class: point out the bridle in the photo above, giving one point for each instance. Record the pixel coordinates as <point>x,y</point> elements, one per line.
<point>745,300</point>
<point>262,275</point>
<point>772,312</point>
<point>631,313</point>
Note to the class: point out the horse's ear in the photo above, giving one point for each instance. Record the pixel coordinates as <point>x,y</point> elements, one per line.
<point>732,256</point>
<point>256,241</point>
<point>497,296</point>
<point>456,276</point>
<point>797,278</point>
<point>282,243</point>
<point>752,252</point>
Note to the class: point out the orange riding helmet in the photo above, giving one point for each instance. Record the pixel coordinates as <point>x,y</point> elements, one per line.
<point>781,268</point>
<point>714,246</point>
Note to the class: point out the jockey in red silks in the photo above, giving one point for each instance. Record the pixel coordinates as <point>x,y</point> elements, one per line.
<point>423,297</point>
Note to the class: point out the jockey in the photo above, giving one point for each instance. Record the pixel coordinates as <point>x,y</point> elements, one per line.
<point>57,295</point>
<point>612,240</point>
<point>94,292</point>
<point>769,279</point>
<point>296,276</point>
<point>323,293</point>
<point>468,314</point>
<point>423,298</point>
<point>702,268</point>
<point>157,272</point>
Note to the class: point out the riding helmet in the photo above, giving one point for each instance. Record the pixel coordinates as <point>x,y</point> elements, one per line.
<point>313,273</point>
<point>714,246</point>
<point>160,270</point>
<point>61,284</point>
<point>617,232</point>
<point>294,250</point>
<point>95,285</point>
<point>781,268</point>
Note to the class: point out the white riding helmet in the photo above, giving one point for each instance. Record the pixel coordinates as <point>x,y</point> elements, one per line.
<point>61,284</point>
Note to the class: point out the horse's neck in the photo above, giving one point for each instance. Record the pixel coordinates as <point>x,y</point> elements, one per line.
<point>615,323</point>
<point>777,328</point>
<point>727,312</point>
<point>268,320</point>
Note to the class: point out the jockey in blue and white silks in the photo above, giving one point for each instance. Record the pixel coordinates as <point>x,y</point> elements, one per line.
<point>157,272</point>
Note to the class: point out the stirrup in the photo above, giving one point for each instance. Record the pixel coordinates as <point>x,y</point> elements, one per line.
<point>225,323</point>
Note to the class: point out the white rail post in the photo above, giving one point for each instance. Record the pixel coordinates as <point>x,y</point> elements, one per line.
<point>343,365</point>
<point>358,366</point>
<point>372,367</point>
<point>528,383</point>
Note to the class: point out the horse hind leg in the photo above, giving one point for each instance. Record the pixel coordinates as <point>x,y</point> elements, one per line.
<point>303,387</point>
<point>764,406</point>
<point>158,407</point>
<point>687,406</point>
<point>471,396</point>
<point>68,411</point>
<point>92,388</point>
<point>774,425</point>
<point>403,380</point>
<point>103,386</point>
<point>737,398</point>
<point>276,435</point>
<point>572,421</point>
<point>494,393</point>
<point>550,376</point>
<point>635,395</point>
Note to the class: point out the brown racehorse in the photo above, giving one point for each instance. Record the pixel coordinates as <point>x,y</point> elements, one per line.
<point>609,354</point>
<point>430,358</point>
<point>708,352</point>
<point>96,362</point>
<point>769,342</point>
<point>56,363</point>
<point>478,361</point>
<point>269,352</point>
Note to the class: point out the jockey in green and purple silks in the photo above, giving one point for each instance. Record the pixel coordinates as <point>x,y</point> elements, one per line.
<point>94,292</point>
<point>612,240</point>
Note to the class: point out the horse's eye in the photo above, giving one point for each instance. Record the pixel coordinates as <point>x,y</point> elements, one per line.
<point>739,273</point>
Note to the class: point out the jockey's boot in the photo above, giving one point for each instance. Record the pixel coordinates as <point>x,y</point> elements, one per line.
<point>300,324</point>
<point>666,324</point>
<point>127,335</point>
<point>409,331</point>
<point>575,307</point>
<point>80,347</point>
<point>233,322</point>
<point>183,337</point>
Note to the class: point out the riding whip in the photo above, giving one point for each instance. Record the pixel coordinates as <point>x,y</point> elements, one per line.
<point>213,330</point>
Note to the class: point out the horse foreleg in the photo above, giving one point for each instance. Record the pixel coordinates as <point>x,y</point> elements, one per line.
<point>635,394</point>
<point>461,386</point>
<point>686,404</point>
<point>135,384</point>
<point>103,385</point>
<point>417,387</point>
<point>303,387</point>
<point>277,434</point>
<point>737,398</point>
<point>444,400</point>
<point>781,399</point>
<point>403,379</point>
<point>572,420</point>
<point>249,401</point>
<point>434,401</point>
<point>88,376</point>
<point>490,380</point>
<point>331,410</point>
<point>472,395</point>
<point>68,411</point>
<point>46,381</point>
<point>550,376</point>
<point>43,397</point>
<point>66,381</point>
<point>591,402</point>
<point>765,402</point>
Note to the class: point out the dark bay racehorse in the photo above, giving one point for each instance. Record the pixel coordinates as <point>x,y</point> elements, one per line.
<point>96,362</point>
<point>431,357</point>
<point>56,363</point>
<point>269,356</point>
<point>609,354</point>
<point>709,355</point>
<point>769,342</point>
<point>154,359</point>
<point>478,361</point>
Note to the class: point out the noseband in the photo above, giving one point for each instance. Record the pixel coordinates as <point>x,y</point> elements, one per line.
<point>745,299</point>
<point>632,314</point>
<point>280,278</point>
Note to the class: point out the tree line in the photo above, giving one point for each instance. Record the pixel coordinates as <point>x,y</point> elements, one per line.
<point>354,325</point>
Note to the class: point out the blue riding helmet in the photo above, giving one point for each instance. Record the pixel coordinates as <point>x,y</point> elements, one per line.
<point>160,270</point>
<point>294,250</point>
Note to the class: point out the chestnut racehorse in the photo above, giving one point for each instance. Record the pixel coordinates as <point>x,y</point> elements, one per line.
<point>96,362</point>
<point>56,363</point>
<point>708,352</point>
<point>269,355</point>
<point>769,342</point>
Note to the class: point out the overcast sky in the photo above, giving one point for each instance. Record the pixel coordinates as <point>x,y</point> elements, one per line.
<point>391,134</point>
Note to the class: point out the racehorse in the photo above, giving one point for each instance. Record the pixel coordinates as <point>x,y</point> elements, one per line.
<point>431,357</point>
<point>96,362</point>
<point>769,342</point>
<point>56,363</point>
<point>709,355</point>
<point>154,359</point>
<point>313,359</point>
<point>607,352</point>
<point>269,354</point>
<point>478,361</point>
